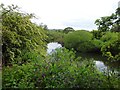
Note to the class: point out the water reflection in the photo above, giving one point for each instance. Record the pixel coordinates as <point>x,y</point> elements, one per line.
<point>100,65</point>
<point>52,46</point>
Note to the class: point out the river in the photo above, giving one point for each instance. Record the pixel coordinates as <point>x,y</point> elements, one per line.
<point>102,64</point>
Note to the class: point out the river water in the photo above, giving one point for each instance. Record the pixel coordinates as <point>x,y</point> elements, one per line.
<point>102,64</point>
<point>52,46</point>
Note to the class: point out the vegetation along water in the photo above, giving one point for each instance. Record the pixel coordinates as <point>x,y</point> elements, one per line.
<point>26,63</point>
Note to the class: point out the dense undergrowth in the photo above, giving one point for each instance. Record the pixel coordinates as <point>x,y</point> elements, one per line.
<point>26,65</point>
<point>59,70</point>
<point>83,41</point>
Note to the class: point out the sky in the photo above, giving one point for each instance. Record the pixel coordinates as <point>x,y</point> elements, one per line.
<point>59,14</point>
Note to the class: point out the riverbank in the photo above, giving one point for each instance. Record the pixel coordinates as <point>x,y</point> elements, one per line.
<point>100,61</point>
<point>61,69</point>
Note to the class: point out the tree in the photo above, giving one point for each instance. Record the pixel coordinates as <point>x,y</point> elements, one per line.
<point>44,26</point>
<point>109,23</point>
<point>105,23</point>
<point>116,25</point>
<point>20,35</point>
<point>97,34</point>
<point>79,40</point>
<point>68,29</point>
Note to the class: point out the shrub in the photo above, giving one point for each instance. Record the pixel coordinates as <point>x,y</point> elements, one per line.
<point>27,75</point>
<point>55,36</point>
<point>79,40</point>
<point>60,70</point>
<point>111,46</point>
<point>19,33</point>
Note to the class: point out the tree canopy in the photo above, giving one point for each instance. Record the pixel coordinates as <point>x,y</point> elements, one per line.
<point>68,29</point>
<point>109,23</point>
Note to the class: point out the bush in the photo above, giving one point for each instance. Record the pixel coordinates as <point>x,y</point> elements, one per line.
<point>59,70</point>
<point>19,33</point>
<point>79,40</point>
<point>55,36</point>
<point>111,46</point>
<point>26,75</point>
<point>109,37</point>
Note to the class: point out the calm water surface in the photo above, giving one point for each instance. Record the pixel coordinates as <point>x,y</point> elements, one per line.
<point>102,64</point>
<point>52,46</point>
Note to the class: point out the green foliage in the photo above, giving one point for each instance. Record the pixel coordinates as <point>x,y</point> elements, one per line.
<point>40,72</point>
<point>59,70</point>
<point>83,41</point>
<point>111,46</point>
<point>68,29</point>
<point>109,23</point>
<point>97,34</point>
<point>109,37</point>
<point>108,44</point>
<point>44,26</point>
<point>24,47</point>
<point>79,40</point>
<point>116,26</point>
<point>19,33</point>
<point>104,23</point>
<point>55,36</point>
<point>26,75</point>
<point>97,44</point>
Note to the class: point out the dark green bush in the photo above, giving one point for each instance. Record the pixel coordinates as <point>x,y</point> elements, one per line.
<point>68,29</point>
<point>55,36</point>
<point>97,44</point>
<point>26,75</point>
<point>111,46</point>
<point>79,40</point>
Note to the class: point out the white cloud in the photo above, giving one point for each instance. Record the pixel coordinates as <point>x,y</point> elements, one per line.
<point>55,13</point>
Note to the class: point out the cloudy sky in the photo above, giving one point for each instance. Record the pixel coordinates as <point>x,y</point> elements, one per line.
<point>59,14</point>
